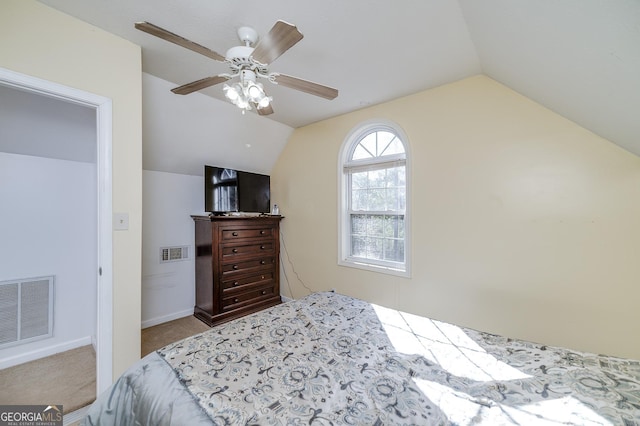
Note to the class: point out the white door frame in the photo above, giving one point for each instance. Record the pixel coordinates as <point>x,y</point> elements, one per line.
<point>104,275</point>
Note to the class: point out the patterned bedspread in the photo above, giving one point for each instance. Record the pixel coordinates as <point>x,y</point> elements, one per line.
<point>329,359</point>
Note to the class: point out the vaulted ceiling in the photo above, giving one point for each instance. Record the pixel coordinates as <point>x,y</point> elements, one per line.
<point>579,58</point>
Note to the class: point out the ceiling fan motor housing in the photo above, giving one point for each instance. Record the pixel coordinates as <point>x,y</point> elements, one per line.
<point>239,58</point>
<point>247,75</point>
<point>247,35</point>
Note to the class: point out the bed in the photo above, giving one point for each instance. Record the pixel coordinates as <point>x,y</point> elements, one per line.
<point>329,359</point>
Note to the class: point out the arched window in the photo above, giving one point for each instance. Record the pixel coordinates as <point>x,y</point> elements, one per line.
<point>373,210</point>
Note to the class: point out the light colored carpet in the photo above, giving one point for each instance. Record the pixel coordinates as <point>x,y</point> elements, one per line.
<point>67,378</point>
<point>161,335</point>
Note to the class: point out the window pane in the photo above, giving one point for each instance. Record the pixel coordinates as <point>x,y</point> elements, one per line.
<point>358,246</point>
<point>384,141</point>
<point>394,147</point>
<point>359,200</point>
<point>377,178</point>
<point>376,226</point>
<point>375,248</point>
<point>359,180</point>
<point>401,229</point>
<point>359,153</point>
<point>377,199</point>
<point>368,143</point>
<point>389,199</point>
<point>394,178</point>
<point>394,250</point>
<point>402,199</point>
<point>402,176</point>
<point>358,224</point>
<point>392,227</point>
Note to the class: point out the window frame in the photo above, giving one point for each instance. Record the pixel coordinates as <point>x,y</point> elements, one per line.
<point>345,167</point>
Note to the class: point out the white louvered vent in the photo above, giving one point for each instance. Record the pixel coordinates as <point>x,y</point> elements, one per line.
<point>173,254</point>
<point>26,310</point>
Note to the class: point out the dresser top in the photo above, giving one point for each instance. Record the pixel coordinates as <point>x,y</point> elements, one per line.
<point>214,218</point>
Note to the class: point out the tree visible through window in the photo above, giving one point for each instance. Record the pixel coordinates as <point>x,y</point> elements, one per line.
<point>374,199</point>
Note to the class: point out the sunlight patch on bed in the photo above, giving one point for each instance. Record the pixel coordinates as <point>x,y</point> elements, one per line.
<point>461,408</point>
<point>444,344</point>
<point>567,410</point>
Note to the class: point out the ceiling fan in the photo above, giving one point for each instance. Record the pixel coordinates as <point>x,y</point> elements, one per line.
<point>249,63</point>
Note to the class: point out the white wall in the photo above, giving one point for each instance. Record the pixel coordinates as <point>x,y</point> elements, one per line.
<point>168,201</point>
<point>48,220</point>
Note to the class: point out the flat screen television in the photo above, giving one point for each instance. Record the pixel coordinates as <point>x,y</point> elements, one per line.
<point>228,190</point>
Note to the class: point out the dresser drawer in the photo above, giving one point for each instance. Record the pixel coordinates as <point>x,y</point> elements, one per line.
<point>263,248</point>
<point>241,299</point>
<point>256,264</point>
<point>232,234</point>
<point>232,286</point>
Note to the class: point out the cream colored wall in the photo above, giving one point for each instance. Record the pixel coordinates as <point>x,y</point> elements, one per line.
<point>39,41</point>
<point>523,223</point>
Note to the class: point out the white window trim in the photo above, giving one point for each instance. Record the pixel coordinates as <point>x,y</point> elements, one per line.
<point>344,258</point>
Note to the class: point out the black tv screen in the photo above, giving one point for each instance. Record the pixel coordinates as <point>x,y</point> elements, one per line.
<point>228,190</point>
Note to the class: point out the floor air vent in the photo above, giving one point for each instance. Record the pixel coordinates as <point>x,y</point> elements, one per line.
<point>173,254</point>
<point>26,310</point>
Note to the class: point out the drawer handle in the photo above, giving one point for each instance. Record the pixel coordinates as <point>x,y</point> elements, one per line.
<point>234,250</point>
<point>235,283</point>
<point>235,300</point>
<point>264,291</point>
<point>262,262</point>
<point>235,267</point>
<point>261,232</point>
<point>262,277</point>
<point>261,247</point>
<point>235,234</point>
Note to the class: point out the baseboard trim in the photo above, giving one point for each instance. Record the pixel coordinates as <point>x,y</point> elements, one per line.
<point>286,299</point>
<point>166,318</point>
<point>41,353</point>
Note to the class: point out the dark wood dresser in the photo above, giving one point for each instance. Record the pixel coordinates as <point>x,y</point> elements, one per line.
<point>237,266</point>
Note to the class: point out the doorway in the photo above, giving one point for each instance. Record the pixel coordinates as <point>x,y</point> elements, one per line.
<point>103,273</point>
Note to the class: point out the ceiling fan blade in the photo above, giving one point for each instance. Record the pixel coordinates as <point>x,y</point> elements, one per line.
<point>305,86</point>
<point>281,37</point>
<point>185,89</point>
<point>266,110</point>
<point>179,40</point>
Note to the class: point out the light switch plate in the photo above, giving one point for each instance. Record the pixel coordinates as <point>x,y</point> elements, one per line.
<point>120,221</point>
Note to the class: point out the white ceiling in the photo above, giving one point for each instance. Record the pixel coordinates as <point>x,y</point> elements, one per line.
<point>580,58</point>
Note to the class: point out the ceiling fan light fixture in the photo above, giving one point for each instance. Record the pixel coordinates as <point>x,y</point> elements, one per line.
<point>231,92</point>
<point>243,103</point>
<point>254,91</point>
<point>246,93</point>
<point>264,102</point>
